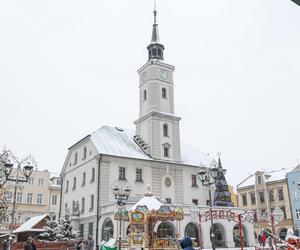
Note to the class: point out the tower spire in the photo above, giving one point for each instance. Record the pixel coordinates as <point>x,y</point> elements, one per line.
<point>155,48</point>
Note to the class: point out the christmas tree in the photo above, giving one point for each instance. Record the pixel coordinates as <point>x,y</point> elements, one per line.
<point>222,196</point>
<point>65,227</point>
<point>52,230</point>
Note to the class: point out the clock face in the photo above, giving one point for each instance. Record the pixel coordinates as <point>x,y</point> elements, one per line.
<point>163,74</point>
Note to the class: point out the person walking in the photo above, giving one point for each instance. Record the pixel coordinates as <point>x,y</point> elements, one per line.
<point>80,245</point>
<point>27,244</point>
<point>263,239</point>
<point>91,243</point>
<point>187,244</point>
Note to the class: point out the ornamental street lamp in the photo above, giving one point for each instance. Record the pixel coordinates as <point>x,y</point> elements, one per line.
<point>24,168</point>
<point>121,197</point>
<point>208,178</point>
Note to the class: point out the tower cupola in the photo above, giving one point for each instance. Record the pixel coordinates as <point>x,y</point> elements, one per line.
<point>155,48</point>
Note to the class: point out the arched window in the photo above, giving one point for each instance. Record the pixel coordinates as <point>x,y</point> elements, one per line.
<point>164,93</point>
<point>191,230</point>
<point>165,130</point>
<point>144,95</point>
<point>166,230</point>
<point>107,229</point>
<point>219,233</point>
<point>236,236</point>
<point>159,52</point>
<point>154,52</point>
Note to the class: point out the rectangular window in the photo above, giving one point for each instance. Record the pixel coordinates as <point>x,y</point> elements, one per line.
<point>83,179</point>
<point>166,152</point>
<point>262,197</point>
<point>74,183</point>
<point>258,179</point>
<point>195,201</point>
<point>284,212</point>
<point>39,199</point>
<point>19,197</point>
<point>41,182</point>
<point>81,228</point>
<point>271,195</point>
<point>168,200</point>
<point>54,199</point>
<point>122,173</point>
<point>75,158</point>
<point>67,186</point>
<point>244,198</point>
<point>295,195</point>
<point>31,180</point>
<point>298,213</point>
<point>84,153</point>
<point>139,175</point>
<point>82,205</point>
<point>92,203</point>
<point>29,197</point>
<point>90,229</point>
<point>93,175</point>
<point>253,201</point>
<point>280,194</point>
<point>194,180</point>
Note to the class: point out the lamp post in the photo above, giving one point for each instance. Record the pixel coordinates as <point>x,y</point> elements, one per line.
<point>24,168</point>
<point>121,197</point>
<point>208,177</point>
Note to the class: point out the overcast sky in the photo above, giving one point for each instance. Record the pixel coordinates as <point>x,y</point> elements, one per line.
<point>68,67</point>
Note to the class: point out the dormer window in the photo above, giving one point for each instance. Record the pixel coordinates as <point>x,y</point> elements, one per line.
<point>258,179</point>
<point>164,93</point>
<point>165,130</point>
<point>144,95</point>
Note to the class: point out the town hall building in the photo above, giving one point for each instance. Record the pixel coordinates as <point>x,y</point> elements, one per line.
<point>152,157</point>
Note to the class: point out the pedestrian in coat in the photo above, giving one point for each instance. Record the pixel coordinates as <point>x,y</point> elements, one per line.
<point>91,243</point>
<point>187,244</point>
<point>80,245</point>
<point>27,244</point>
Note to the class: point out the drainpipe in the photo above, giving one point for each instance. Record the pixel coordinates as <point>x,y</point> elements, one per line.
<point>60,198</point>
<point>98,216</point>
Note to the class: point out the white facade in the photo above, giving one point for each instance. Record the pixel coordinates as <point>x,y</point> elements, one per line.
<point>150,157</point>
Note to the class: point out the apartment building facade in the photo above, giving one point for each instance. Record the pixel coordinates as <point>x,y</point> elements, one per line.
<point>263,192</point>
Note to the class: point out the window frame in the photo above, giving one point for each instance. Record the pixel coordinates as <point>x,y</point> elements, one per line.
<point>139,175</point>
<point>122,173</point>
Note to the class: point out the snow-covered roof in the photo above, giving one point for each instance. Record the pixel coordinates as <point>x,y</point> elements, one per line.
<point>119,142</point>
<point>149,201</point>
<point>29,225</point>
<point>273,175</point>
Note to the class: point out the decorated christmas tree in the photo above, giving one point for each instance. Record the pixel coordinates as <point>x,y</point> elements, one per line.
<point>222,196</point>
<point>65,227</point>
<point>52,230</point>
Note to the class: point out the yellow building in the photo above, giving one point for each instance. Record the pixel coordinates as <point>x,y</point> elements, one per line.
<point>233,196</point>
<point>40,195</point>
<point>263,192</point>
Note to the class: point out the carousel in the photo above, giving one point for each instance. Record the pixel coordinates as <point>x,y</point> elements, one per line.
<point>144,217</point>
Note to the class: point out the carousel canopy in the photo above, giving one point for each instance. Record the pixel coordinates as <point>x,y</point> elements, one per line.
<point>149,201</point>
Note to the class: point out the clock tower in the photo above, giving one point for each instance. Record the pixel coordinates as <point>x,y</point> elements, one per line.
<point>157,125</point>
